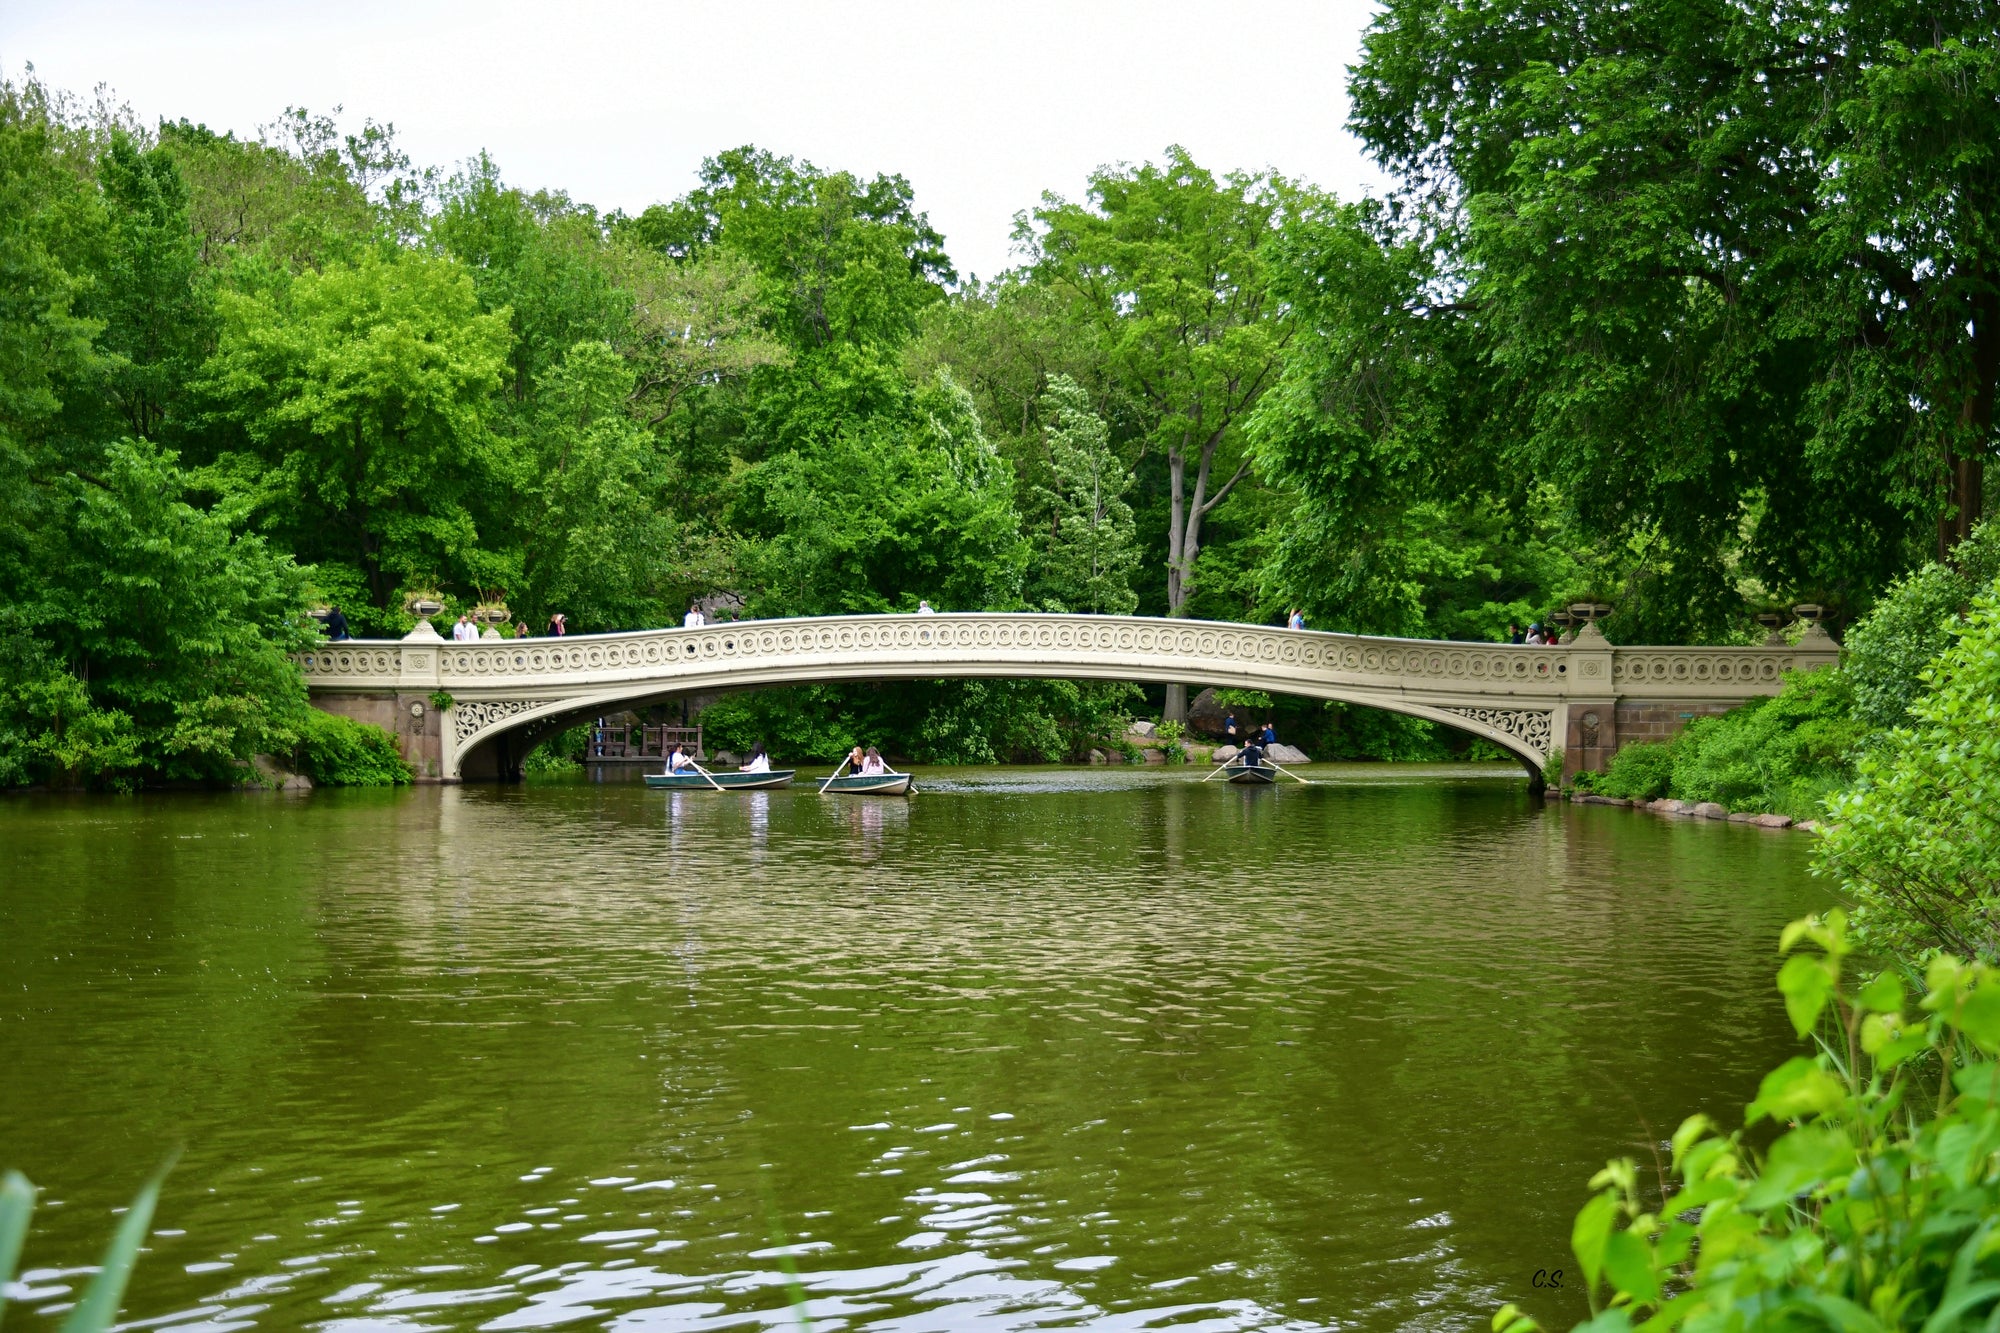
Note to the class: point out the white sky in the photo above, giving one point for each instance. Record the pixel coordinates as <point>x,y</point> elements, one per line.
<point>981,105</point>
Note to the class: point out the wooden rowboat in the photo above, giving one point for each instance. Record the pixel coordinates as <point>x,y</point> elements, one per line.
<point>685,781</point>
<point>1259,776</point>
<point>871,784</point>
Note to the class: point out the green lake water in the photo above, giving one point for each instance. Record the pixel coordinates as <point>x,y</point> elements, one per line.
<point>1035,1048</point>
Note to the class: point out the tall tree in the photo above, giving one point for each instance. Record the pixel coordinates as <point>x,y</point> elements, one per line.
<point>1732,267</point>
<point>362,396</point>
<point>1170,262</point>
<point>1091,554</point>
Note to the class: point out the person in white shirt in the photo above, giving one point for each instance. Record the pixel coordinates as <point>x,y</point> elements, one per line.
<point>758,762</point>
<point>924,608</point>
<point>464,631</point>
<point>680,761</point>
<point>872,765</point>
<point>694,619</point>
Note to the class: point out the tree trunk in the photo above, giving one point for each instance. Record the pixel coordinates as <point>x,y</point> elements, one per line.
<point>1965,473</point>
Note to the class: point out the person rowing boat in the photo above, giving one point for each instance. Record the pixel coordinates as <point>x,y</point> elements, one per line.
<point>867,774</point>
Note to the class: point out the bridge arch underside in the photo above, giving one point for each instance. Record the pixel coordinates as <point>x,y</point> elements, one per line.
<point>495,751</point>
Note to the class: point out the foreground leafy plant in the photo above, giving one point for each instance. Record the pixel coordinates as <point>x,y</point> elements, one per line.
<point>1878,1207</point>
<point>98,1309</point>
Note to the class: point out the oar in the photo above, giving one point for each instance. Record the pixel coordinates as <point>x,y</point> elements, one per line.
<point>1288,772</point>
<point>1220,771</point>
<point>836,772</point>
<point>705,773</point>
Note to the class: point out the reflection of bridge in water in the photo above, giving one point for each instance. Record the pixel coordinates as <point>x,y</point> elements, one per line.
<point>1583,698</point>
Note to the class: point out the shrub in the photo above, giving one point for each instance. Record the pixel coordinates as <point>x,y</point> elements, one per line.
<point>560,754</point>
<point>1916,844</point>
<point>337,751</point>
<point>1875,1208</point>
<point>1785,754</point>
<point>1638,773</point>
<point>1889,648</point>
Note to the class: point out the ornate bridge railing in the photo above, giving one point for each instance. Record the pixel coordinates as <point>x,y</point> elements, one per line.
<point>1520,697</point>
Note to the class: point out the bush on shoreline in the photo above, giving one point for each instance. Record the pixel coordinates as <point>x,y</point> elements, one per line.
<point>1785,755</point>
<point>337,751</point>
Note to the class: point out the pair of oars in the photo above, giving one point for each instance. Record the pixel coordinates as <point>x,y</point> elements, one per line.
<point>1272,762</point>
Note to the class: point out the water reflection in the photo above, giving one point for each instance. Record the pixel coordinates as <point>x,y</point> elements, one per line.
<point>1035,1048</point>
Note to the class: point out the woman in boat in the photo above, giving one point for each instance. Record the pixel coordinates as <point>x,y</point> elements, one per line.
<point>679,761</point>
<point>854,758</point>
<point>872,765</point>
<point>758,762</point>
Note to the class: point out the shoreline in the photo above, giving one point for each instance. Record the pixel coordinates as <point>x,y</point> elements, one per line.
<point>1678,809</point>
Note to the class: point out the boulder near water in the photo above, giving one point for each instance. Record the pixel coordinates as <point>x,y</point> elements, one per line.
<point>1287,754</point>
<point>1205,714</point>
<point>1224,753</point>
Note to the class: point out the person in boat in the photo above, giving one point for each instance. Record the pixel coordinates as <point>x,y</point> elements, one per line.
<point>680,761</point>
<point>872,765</point>
<point>758,762</point>
<point>1253,755</point>
<point>854,759</point>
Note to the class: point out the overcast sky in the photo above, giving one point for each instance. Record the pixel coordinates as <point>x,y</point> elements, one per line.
<point>982,104</point>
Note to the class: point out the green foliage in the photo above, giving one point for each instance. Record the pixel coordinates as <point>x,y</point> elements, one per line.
<point>1168,264</point>
<point>887,512</point>
<point>1091,554</point>
<point>1916,843</point>
<point>337,751</point>
<point>362,394</point>
<point>1889,649</point>
<point>1785,755</point>
<point>177,632</point>
<point>96,1310</point>
<point>930,722</point>
<point>559,756</point>
<point>1641,772</point>
<point>1873,1208</point>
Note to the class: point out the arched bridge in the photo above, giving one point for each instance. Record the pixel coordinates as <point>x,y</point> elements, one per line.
<point>1579,698</point>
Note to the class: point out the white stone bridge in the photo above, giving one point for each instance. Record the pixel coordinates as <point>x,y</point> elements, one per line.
<point>1581,698</point>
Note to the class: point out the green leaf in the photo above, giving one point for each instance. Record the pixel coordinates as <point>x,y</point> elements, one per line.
<point>1978,1013</point>
<point>1691,1131</point>
<point>1981,1081</point>
<point>1883,995</point>
<point>98,1309</point>
<point>1590,1233</point>
<point>1796,1090</point>
<point>1800,1161</point>
<point>17,1203</point>
<point>1628,1262</point>
<point>1806,981</point>
<point>1509,1319</point>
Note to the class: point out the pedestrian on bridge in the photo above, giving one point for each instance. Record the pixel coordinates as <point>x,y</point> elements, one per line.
<point>694,619</point>
<point>1296,620</point>
<point>558,625</point>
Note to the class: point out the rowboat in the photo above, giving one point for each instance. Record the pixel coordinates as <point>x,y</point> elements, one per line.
<point>685,781</point>
<point>1259,775</point>
<point>869,784</point>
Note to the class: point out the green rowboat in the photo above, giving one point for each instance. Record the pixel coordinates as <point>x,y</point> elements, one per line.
<point>871,784</point>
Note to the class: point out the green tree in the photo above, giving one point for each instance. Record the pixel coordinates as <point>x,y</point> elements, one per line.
<point>1916,843</point>
<point>595,542</point>
<point>1727,271</point>
<point>1171,265</point>
<point>1090,556</point>
<point>362,395</point>
<point>177,631</point>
